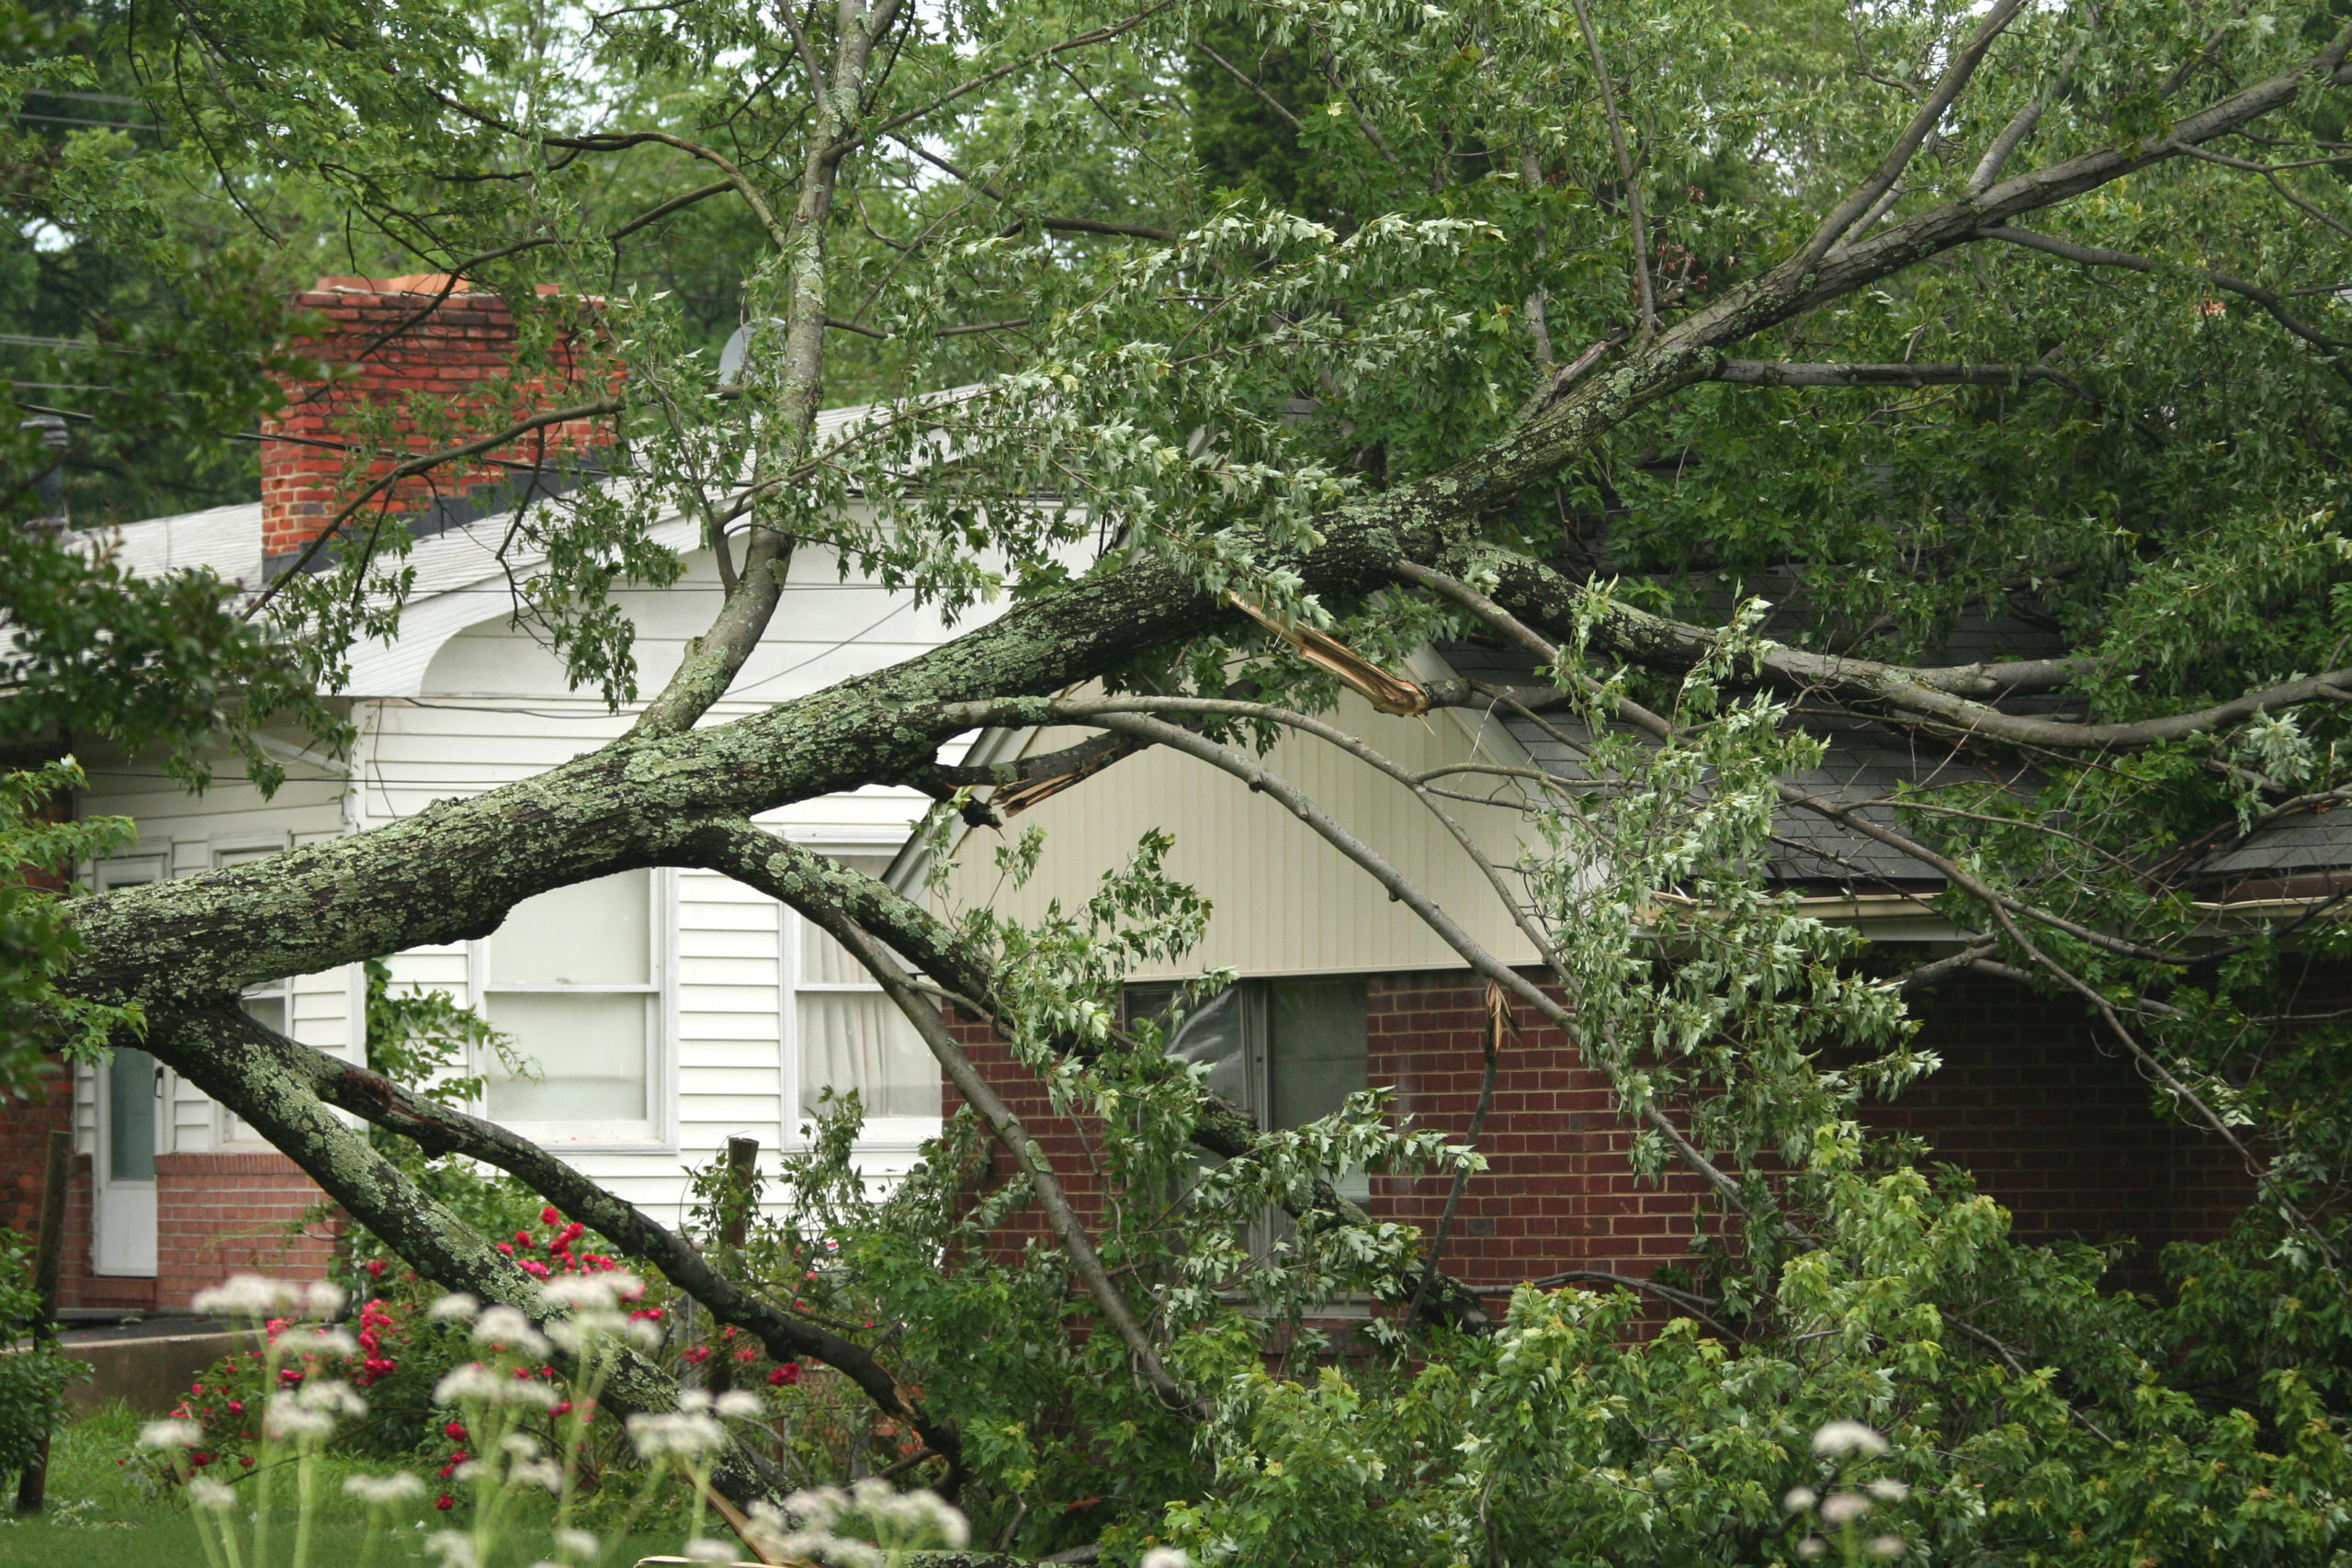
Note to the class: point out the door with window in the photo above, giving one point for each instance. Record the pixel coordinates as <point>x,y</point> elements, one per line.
<point>128,1100</point>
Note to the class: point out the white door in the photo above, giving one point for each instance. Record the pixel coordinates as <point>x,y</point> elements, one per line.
<point>129,1105</point>
<point>123,1218</point>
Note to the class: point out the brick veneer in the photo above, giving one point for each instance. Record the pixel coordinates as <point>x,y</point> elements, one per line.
<point>2056,1129</point>
<point>220,1214</point>
<point>25,1126</point>
<point>394,343</point>
<point>216,1213</point>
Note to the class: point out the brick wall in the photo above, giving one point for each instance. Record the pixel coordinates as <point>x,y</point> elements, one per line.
<point>25,1126</point>
<point>223,1213</point>
<point>216,1215</point>
<point>2056,1130</point>
<point>396,346</point>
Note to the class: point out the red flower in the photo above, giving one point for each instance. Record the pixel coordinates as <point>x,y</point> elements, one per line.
<point>523,1242</point>
<point>289,1376</point>
<point>507,1248</point>
<point>535,1268</point>
<point>572,1233</point>
<point>563,1408</point>
<point>375,1268</point>
<point>196,1388</point>
<point>454,1432</point>
<point>698,1355</point>
<point>785,1376</point>
<point>445,1502</point>
<point>200,1460</point>
<point>236,1407</point>
<point>748,1353</point>
<point>245,1460</point>
<point>548,1217</point>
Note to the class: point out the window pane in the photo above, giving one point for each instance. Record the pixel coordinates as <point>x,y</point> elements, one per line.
<point>853,1040</point>
<point>590,1051</point>
<point>598,933</point>
<point>1314,1056</point>
<point>267,1011</point>
<point>1212,1033</point>
<point>130,1116</point>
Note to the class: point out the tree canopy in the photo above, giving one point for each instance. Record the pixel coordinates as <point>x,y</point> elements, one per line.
<point>1580,326</point>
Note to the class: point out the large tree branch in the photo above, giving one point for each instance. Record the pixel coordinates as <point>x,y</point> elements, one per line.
<point>273,1084</point>
<point>1865,197</point>
<point>831,894</point>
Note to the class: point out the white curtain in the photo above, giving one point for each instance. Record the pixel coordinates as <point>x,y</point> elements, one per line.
<point>858,1040</point>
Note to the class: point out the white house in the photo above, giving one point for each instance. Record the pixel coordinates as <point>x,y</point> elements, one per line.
<point>667,1010</point>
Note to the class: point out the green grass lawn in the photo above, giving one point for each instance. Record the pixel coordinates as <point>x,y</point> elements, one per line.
<point>104,1514</point>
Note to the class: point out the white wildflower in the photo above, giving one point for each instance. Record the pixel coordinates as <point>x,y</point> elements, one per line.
<point>455,1547</point>
<point>695,1399</point>
<point>169,1435</point>
<point>473,1469</point>
<point>333,1395</point>
<point>522,1445</point>
<point>455,1307</point>
<point>577,1543</point>
<point>645,1336</point>
<point>1885,1546</point>
<point>477,1385</point>
<point>1886,1489</point>
<point>600,1291</point>
<point>382,1490</point>
<point>1811,1546</point>
<point>211,1496</point>
<point>740,1403</point>
<point>472,1383</point>
<point>503,1326</point>
<point>1847,1437</point>
<point>687,1433</point>
<point>287,1418</point>
<point>323,1299</point>
<point>817,1546</point>
<point>704,1550</point>
<point>244,1296</point>
<point>1800,1499</point>
<point>335,1342</point>
<point>1841,1508</point>
<point>817,1506</point>
<point>543,1474</point>
<point>1165,1557</point>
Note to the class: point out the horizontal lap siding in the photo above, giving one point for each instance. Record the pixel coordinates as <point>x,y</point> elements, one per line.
<point>730,1045</point>
<point>1285,902</point>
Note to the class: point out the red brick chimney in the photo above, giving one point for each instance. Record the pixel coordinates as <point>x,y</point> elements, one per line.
<point>397,340</point>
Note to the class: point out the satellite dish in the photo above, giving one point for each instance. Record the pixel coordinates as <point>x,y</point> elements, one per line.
<point>730,358</point>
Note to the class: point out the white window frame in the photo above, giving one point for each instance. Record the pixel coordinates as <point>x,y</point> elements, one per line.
<point>891,1133</point>
<point>658,1132</point>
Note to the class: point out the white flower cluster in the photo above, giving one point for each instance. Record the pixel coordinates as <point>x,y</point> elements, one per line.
<point>474,1383</point>
<point>210,1496</point>
<point>257,1296</point>
<point>1841,1509</point>
<point>900,1521</point>
<point>503,1328</point>
<point>689,1434</point>
<point>382,1491</point>
<point>169,1435</point>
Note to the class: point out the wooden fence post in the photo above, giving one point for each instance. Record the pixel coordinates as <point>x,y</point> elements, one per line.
<point>32,1486</point>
